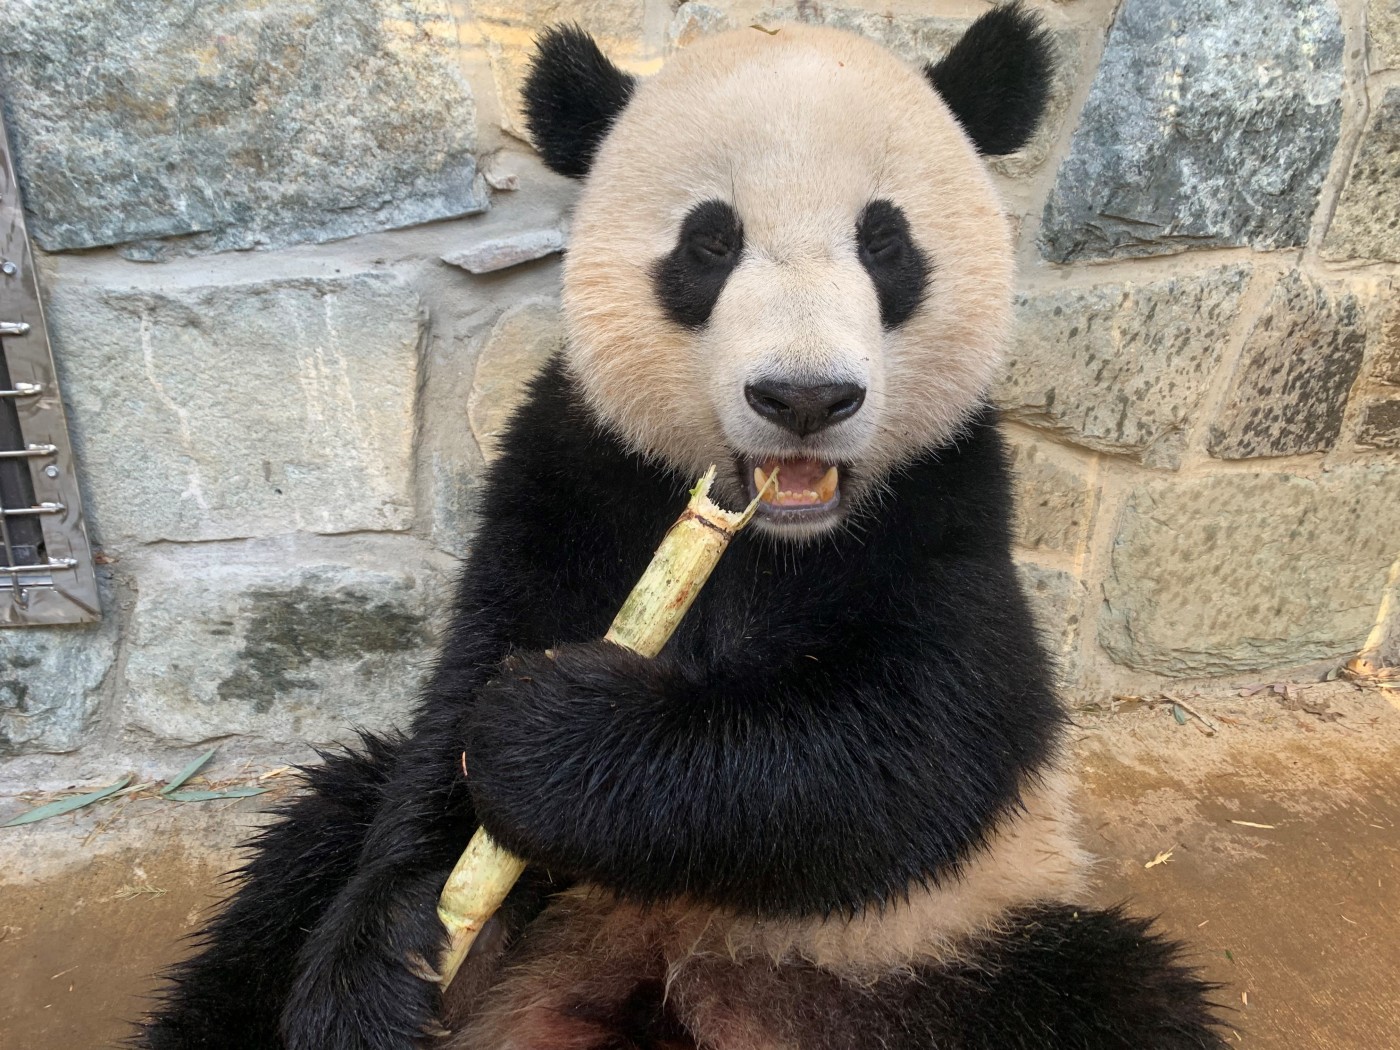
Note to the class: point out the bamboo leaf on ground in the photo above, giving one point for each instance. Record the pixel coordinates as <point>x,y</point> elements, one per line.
<point>189,771</point>
<point>68,805</point>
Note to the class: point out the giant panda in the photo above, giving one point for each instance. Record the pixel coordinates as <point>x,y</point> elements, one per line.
<point>833,812</point>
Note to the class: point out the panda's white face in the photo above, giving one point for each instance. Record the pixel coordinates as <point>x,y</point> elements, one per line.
<point>787,257</point>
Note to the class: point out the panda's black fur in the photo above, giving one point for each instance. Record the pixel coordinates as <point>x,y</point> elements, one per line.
<point>835,722</point>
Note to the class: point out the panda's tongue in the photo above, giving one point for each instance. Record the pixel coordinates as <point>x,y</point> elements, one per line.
<point>801,482</point>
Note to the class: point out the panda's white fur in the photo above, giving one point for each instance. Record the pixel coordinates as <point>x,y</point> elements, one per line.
<point>591,946</point>
<point>799,130</point>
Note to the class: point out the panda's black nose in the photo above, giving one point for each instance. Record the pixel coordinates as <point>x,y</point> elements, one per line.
<point>804,409</point>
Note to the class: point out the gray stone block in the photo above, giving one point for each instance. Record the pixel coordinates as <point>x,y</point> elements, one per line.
<point>1210,123</point>
<point>235,125</point>
<point>1290,388</point>
<point>500,253</point>
<point>1366,224</point>
<point>242,410</point>
<point>282,652</point>
<point>1246,572</point>
<point>1121,368</point>
<point>1053,500</point>
<point>50,683</point>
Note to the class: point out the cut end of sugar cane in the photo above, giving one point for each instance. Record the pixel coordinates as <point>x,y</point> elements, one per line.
<point>680,567</point>
<point>485,872</point>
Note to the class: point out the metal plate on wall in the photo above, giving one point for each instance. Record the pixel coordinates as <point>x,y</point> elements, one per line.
<point>46,572</point>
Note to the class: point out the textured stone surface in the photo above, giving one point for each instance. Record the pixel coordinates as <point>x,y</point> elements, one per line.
<point>604,19</point>
<point>509,28</point>
<point>500,253</point>
<point>282,652</point>
<point>1386,364</point>
<point>1053,500</point>
<point>245,124</point>
<point>694,20</point>
<point>1366,224</point>
<point>1299,363</point>
<point>1210,123</point>
<point>517,347</point>
<point>50,680</point>
<point>1244,572</point>
<point>1380,422</point>
<point>242,410</point>
<point>1057,602</point>
<point>914,38</point>
<point>1121,368</point>
<point>1383,31</point>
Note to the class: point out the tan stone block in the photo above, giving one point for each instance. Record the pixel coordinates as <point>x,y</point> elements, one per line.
<point>1380,422</point>
<point>1366,224</point>
<point>1246,572</point>
<point>1054,501</point>
<point>1121,367</point>
<point>1057,602</point>
<point>521,342</point>
<point>617,20</point>
<point>1300,360</point>
<point>1383,33</point>
<point>1385,366</point>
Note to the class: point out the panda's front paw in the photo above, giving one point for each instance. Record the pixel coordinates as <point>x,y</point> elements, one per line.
<point>549,689</point>
<point>360,989</point>
<point>550,724</point>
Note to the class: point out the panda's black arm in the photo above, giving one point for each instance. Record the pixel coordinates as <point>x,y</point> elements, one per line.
<point>772,776</point>
<point>359,973</point>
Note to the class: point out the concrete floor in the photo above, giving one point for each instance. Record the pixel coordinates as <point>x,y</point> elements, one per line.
<point>1299,921</point>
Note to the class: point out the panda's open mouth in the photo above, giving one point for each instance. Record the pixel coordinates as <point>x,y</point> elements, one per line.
<point>805,488</point>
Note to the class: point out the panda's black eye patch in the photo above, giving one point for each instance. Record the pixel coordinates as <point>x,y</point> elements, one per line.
<point>897,267</point>
<point>688,280</point>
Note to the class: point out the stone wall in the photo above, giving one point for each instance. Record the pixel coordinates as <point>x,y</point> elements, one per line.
<point>298,258</point>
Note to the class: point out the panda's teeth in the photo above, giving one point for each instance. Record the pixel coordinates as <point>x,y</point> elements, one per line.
<point>766,484</point>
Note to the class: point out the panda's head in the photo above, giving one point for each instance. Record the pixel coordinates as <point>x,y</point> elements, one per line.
<point>787,253</point>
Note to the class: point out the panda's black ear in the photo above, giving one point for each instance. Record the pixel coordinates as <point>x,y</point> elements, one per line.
<point>996,79</point>
<point>572,96</point>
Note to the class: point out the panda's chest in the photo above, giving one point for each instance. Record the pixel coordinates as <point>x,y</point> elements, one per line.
<point>756,603</point>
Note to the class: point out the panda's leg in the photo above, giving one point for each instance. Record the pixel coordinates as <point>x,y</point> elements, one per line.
<point>230,993</point>
<point>1059,976</point>
<point>585,975</point>
<point>1053,978</point>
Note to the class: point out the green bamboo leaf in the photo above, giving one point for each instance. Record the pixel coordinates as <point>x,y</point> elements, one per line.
<point>1179,714</point>
<point>209,796</point>
<point>189,771</point>
<point>67,805</point>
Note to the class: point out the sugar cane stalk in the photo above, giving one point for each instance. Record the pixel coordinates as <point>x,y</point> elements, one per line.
<point>485,872</point>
